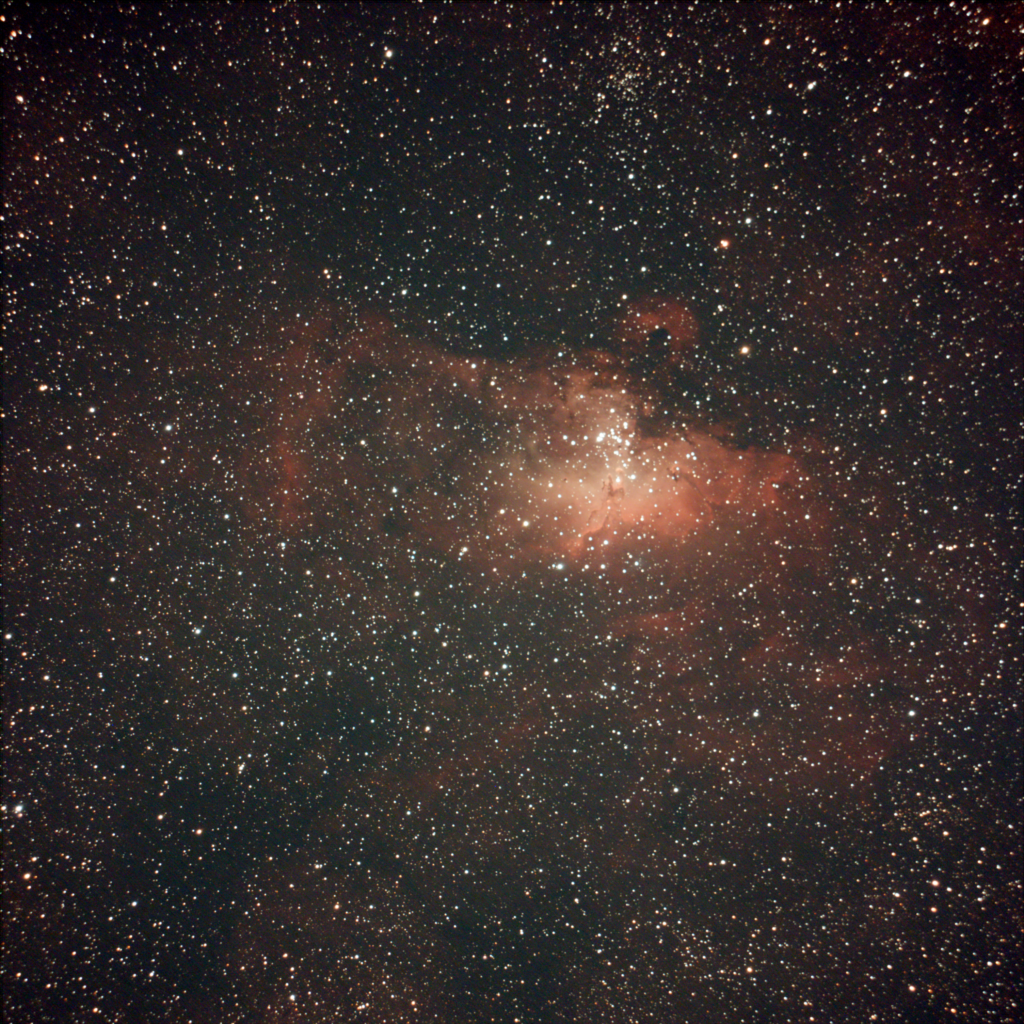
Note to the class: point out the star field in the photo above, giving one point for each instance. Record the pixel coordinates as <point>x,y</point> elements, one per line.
<point>512,512</point>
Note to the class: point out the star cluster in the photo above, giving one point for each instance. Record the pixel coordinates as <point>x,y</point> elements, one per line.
<point>512,512</point>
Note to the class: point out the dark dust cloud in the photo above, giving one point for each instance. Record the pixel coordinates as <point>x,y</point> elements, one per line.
<point>512,512</point>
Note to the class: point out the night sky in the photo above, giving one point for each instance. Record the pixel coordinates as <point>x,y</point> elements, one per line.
<point>511,512</point>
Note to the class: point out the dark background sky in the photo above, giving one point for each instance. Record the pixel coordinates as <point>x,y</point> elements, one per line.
<point>511,512</point>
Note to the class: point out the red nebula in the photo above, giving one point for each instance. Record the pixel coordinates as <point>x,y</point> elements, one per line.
<point>712,568</point>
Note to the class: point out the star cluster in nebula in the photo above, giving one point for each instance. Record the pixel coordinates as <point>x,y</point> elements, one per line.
<point>512,513</point>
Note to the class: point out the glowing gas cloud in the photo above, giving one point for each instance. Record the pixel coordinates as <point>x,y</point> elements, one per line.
<point>717,573</point>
